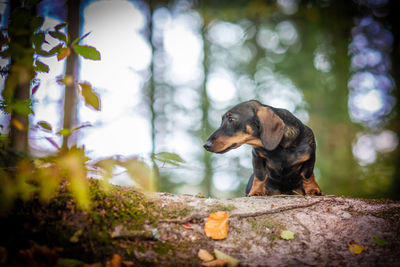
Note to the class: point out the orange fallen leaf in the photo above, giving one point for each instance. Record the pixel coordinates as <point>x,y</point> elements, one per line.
<point>97,264</point>
<point>204,255</point>
<point>128,263</point>
<point>217,225</point>
<point>215,263</point>
<point>188,226</point>
<point>116,261</point>
<point>355,248</point>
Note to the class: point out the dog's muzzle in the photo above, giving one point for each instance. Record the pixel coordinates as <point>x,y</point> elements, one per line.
<point>208,145</point>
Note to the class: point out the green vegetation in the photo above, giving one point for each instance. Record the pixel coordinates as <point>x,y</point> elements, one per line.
<point>221,207</point>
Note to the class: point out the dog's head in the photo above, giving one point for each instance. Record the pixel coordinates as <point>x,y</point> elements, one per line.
<point>247,123</point>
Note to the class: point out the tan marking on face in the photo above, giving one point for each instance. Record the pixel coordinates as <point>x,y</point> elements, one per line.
<point>258,187</point>
<point>223,142</point>
<point>226,114</point>
<point>249,130</point>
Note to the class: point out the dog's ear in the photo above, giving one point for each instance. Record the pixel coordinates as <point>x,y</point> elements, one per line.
<point>271,127</point>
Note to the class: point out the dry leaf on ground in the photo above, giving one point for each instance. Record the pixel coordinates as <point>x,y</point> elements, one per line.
<point>287,235</point>
<point>188,226</point>
<point>204,255</point>
<point>355,248</point>
<point>222,256</point>
<point>217,225</point>
<point>116,261</point>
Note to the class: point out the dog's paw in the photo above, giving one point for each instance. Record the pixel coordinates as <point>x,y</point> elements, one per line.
<point>258,188</point>
<point>311,187</point>
<point>251,194</point>
<point>314,191</point>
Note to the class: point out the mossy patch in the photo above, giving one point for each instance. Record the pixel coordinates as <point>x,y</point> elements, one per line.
<point>173,211</point>
<point>221,207</point>
<point>267,227</point>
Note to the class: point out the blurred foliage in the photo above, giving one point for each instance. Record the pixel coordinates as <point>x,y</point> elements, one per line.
<point>45,177</point>
<point>21,176</point>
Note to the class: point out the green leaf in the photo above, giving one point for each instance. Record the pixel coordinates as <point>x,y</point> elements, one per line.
<point>58,35</point>
<point>43,53</point>
<point>77,40</point>
<point>38,39</point>
<point>86,51</point>
<point>287,235</point>
<point>55,49</point>
<point>44,125</point>
<point>52,52</point>
<point>76,236</point>
<point>380,241</point>
<point>222,256</point>
<point>73,165</point>
<point>61,25</point>
<point>65,132</point>
<point>107,165</point>
<point>41,67</point>
<point>139,171</point>
<point>170,158</point>
<point>36,22</point>
<point>91,98</point>
<point>22,107</point>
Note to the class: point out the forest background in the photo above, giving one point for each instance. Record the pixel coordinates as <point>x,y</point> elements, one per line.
<point>169,70</point>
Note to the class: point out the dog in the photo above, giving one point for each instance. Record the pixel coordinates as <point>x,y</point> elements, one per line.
<point>283,148</point>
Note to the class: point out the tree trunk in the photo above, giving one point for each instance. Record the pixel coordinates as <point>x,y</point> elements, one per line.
<point>205,107</point>
<point>17,88</point>
<point>72,69</point>
<point>168,230</point>
<point>151,102</point>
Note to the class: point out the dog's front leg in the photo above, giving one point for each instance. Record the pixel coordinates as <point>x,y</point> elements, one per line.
<point>260,176</point>
<point>309,184</point>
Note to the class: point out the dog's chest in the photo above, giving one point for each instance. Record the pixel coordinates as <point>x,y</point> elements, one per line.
<point>281,160</point>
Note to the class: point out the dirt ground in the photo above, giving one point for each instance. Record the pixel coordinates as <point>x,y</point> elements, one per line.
<point>168,230</point>
<point>323,226</point>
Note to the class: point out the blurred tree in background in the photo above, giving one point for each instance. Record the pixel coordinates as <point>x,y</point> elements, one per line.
<point>331,63</point>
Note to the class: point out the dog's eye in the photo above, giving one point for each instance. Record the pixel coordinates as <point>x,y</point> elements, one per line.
<point>230,118</point>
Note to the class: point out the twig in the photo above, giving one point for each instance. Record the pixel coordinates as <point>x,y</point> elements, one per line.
<point>200,217</point>
<point>191,218</point>
<point>277,210</point>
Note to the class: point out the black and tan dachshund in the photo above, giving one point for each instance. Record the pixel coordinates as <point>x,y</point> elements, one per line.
<point>283,148</point>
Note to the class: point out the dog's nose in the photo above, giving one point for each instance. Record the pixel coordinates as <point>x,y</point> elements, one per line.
<point>207,145</point>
